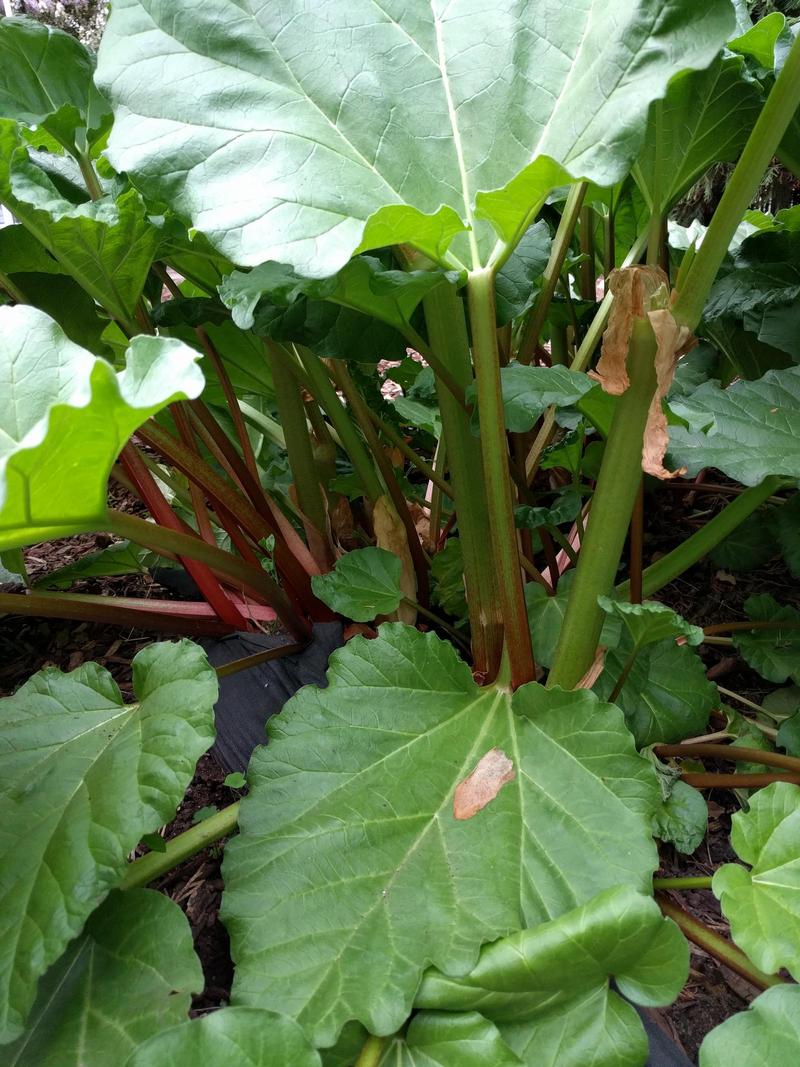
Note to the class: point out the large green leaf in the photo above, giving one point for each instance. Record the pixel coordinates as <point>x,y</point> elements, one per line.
<point>46,80</point>
<point>666,695</point>
<point>363,284</point>
<point>516,285</point>
<point>449,1039</point>
<point>352,872</point>
<point>239,1037</point>
<point>763,904</point>
<point>651,622</point>
<point>83,776</point>
<point>529,391</point>
<point>775,654</point>
<point>768,1033</point>
<point>114,987</point>
<point>753,428</point>
<point>705,118</point>
<point>364,583</point>
<point>64,417</point>
<point>107,245</point>
<point>548,988</point>
<point>338,127</point>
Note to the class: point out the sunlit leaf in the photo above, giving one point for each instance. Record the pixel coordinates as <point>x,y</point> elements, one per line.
<point>768,1033</point>
<point>339,128</point>
<point>64,417</point>
<point>241,1037</point>
<point>364,583</point>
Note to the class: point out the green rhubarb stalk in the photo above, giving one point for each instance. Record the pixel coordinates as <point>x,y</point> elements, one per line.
<point>353,444</point>
<point>781,105</point>
<point>716,946</point>
<point>447,330</point>
<point>146,869</point>
<point>480,294</point>
<point>680,559</point>
<point>612,505</point>
<point>552,272</point>
<point>293,420</point>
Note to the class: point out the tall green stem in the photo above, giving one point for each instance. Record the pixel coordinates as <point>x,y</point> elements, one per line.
<point>777,113</point>
<point>298,441</point>
<point>691,882</point>
<point>327,397</point>
<point>612,506</point>
<point>680,559</point>
<point>480,295</point>
<point>447,329</point>
<point>552,272</point>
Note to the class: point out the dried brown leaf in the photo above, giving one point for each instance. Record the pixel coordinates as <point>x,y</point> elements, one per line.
<point>491,773</point>
<point>636,290</point>
<point>673,341</point>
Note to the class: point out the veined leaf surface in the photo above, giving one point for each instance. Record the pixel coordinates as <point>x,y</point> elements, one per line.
<point>65,416</point>
<point>114,987</point>
<point>82,777</point>
<point>352,871</point>
<point>763,904</point>
<point>547,988</point>
<point>346,126</point>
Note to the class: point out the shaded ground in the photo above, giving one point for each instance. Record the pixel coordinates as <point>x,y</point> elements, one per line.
<point>703,594</point>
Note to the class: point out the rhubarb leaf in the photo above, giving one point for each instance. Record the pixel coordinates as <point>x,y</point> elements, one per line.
<point>766,1034</point>
<point>547,988</point>
<point>340,128</point>
<point>46,81</point>
<point>529,391</point>
<point>364,583</point>
<point>449,1039</point>
<point>107,245</point>
<point>774,653</point>
<point>114,987</point>
<point>751,429</point>
<point>666,695</point>
<point>705,118</point>
<point>64,417</point>
<point>244,1037</point>
<point>363,284</point>
<point>427,817</point>
<point>650,622</point>
<point>84,776</point>
<point>763,904</point>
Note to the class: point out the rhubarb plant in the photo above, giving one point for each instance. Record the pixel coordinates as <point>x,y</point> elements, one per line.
<point>380,316</point>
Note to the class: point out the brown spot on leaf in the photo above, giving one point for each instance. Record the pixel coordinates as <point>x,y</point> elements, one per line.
<point>491,773</point>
